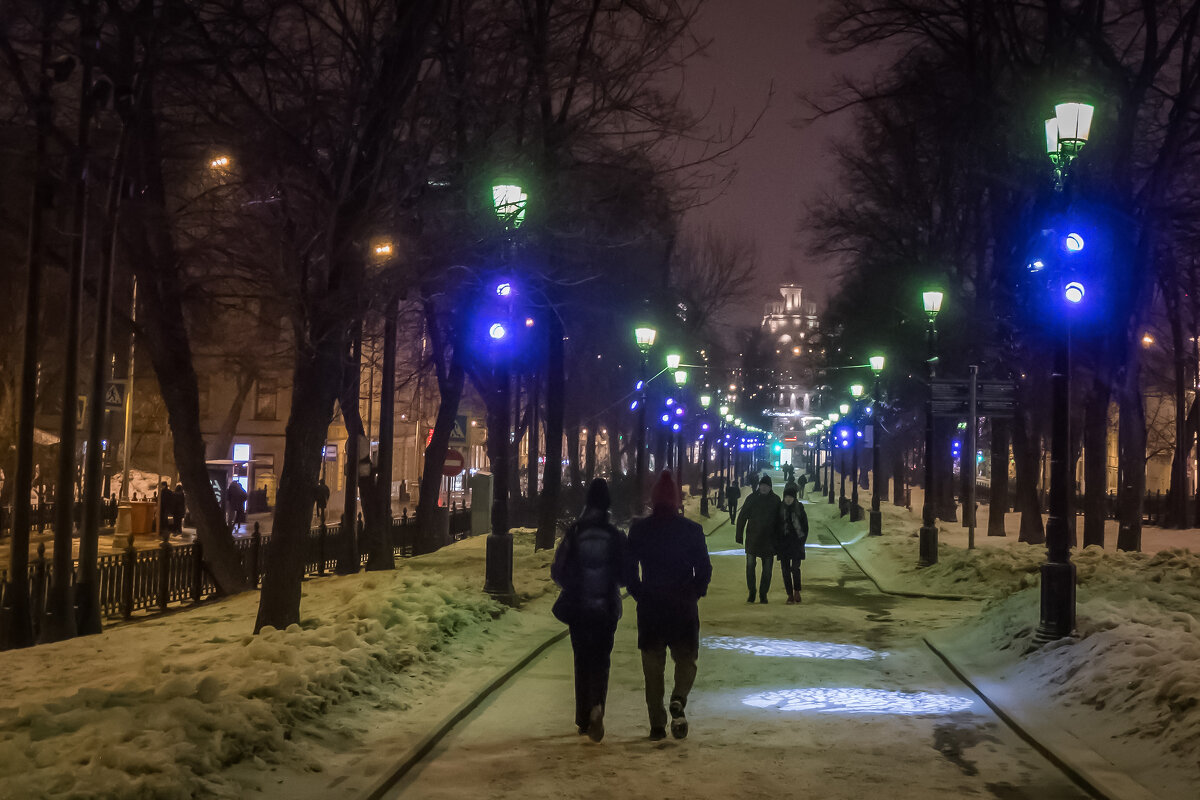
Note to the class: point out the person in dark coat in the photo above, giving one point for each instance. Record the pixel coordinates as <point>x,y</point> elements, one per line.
<point>756,525</point>
<point>178,508</point>
<point>235,498</point>
<point>589,565</point>
<point>668,571</point>
<point>801,482</point>
<point>791,533</point>
<point>732,494</point>
<point>165,498</point>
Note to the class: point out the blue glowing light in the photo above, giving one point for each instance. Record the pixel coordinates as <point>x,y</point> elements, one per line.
<point>1036,265</point>
<point>633,406</point>
<point>670,401</point>
<point>638,386</point>
<point>787,648</point>
<point>675,427</point>
<point>497,331</point>
<point>856,700</point>
<point>503,289</point>
<point>1073,242</point>
<point>679,412</point>
<point>666,417</point>
<point>704,426</point>
<point>1074,292</point>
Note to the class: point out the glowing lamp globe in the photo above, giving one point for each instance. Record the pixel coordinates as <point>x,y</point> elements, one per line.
<point>673,360</point>
<point>876,364</point>
<point>644,336</point>
<point>1074,292</point>
<point>497,331</point>
<point>931,301</point>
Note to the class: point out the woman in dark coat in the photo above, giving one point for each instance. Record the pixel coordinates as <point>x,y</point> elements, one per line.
<point>790,535</point>
<point>588,565</point>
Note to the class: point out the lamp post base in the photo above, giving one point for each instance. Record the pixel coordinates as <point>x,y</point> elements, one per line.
<point>704,504</point>
<point>927,548</point>
<point>499,568</point>
<point>875,523</point>
<point>1058,602</point>
<point>856,512</point>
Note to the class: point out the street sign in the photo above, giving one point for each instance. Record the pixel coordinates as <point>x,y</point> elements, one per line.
<point>114,395</point>
<point>454,463</point>
<point>993,398</point>
<point>459,432</point>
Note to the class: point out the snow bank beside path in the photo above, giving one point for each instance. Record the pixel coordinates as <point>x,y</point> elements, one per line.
<point>1128,682</point>
<point>164,709</point>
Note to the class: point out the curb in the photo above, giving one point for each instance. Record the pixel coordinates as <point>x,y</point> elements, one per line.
<point>899,592</point>
<point>1085,767</point>
<point>422,748</point>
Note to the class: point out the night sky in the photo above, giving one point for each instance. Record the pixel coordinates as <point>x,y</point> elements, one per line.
<point>755,43</point>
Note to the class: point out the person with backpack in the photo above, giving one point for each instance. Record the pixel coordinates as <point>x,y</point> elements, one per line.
<point>790,536</point>
<point>589,565</point>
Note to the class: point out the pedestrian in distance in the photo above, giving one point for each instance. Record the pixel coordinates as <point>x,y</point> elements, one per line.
<point>178,509</point>
<point>322,499</point>
<point>801,483</point>
<point>732,494</point>
<point>791,534</point>
<point>756,525</point>
<point>668,571</point>
<point>165,498</point>
<point>590,565</point>
<point>235,498</point>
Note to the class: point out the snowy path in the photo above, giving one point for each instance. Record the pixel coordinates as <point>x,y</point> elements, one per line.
<point>836,698</point>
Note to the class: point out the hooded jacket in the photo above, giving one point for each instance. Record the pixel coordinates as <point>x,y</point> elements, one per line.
<point>589,566</point>
<point>757,522</point>
<point>792,531</point>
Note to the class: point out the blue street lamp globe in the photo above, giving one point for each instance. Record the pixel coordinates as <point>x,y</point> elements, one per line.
<point>1074,292</point>
<point>497,331</point>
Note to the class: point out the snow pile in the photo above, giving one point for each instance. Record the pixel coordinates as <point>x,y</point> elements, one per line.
<point>158,710</point>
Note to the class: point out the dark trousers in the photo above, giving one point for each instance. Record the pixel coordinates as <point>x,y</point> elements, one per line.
<point>654,667</point>
<point>732,512</point>
<point>790,567</point>
<point>592,645</point>
<point>765,583</point>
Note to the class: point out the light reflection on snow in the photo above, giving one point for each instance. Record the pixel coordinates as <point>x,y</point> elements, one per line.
<point>738,552</point>
<point>854,700</point>
<point>788,648</point>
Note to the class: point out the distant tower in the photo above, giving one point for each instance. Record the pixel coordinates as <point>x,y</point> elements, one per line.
<point>792,326</point>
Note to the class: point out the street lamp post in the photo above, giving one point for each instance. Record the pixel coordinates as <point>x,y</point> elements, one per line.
<point>509,202</point>
<point>1066,134</point>
<point>856,512</point>
<point>644,336</point>
<point>834,417</point>
<point>875,523</point>
<point>705,402</point>
<point>928,538</point>
<point>844,408</point>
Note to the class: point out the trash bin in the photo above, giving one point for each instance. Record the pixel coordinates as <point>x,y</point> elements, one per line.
<point>141,517</point>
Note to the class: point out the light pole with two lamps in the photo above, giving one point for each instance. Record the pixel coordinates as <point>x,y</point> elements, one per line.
<point>644,335</point>
<point>856,512</point>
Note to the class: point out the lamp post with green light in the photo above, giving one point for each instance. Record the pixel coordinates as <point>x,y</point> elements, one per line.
<point>705,402</point>
<point>644,335</point>
<point>833,418</point>
<point>856,512</point>
<point>509,202</point>
<point>1066,134</point>
<point>676,440</point>
<point>927,546</point>
<point>875,520</point>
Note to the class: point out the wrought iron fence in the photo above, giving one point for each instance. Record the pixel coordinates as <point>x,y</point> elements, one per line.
<point>153,579</point>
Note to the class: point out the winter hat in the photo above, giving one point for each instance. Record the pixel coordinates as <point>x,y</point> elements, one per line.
<point>764,479</point>
<point>598,496</point>
<point>791,489</point>
<point>665,493</point>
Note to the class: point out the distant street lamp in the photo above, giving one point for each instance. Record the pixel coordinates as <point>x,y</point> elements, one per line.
<point>875,523</point>
<point>1066,134</point>
<point>856,512</point>
<point>705,402</point>
<point>927,547</point>
<point>644,335</point>
<point>833,418</point>
<point>673,360</point>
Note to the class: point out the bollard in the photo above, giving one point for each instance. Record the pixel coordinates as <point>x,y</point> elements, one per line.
<point>197,570</point>
<point>164,571</point>
<point>129,561</point>
<point>255,554</point>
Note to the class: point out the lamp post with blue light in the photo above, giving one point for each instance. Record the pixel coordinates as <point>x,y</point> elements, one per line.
<point>875,519</point>
<point>676,440</point>
<point>927,546</point>
<point>705,402</point>
<point>833,418</point>
<point>509,203</point>
<point>1066,134</point>
<point>856,512</point>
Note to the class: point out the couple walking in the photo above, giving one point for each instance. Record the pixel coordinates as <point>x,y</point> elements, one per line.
<point>773,527</point>
<point>664,562</point>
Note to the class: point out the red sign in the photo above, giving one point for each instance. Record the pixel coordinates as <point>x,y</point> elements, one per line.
<point>454,463</point>
<point>789,438</point>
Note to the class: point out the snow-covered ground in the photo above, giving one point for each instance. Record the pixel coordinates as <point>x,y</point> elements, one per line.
<point>837,697</point>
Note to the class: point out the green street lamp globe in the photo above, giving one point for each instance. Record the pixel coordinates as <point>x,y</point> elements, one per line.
<point>724,411</point>
<point>680,377</point>
<point>705,400</point>
<point>932,302</point>
<point>644,336</point>
<point>876,364</point>
<point>856,390</point>
<point>834,417</point>
<point>728,417</point>
<point>673,360</point>
<point>1068,131</point>
<point>844,408</point>
<point>508,201</point>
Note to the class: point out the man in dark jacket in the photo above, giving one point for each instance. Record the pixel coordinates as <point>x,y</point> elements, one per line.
<point>757,523</point>
<point>732,494</point>
<point>178,508</point>
<point>589,565</point>
<point>668,573</point>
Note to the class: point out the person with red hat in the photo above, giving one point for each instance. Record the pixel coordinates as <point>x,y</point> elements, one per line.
<point>668,572</point>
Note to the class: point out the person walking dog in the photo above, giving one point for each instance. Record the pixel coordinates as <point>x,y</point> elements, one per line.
<point>668,571</point>
<point>589,565</point>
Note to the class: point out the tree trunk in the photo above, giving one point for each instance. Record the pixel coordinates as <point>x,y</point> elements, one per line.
<point>590,454</point>
<point>450,391</point>
<point>314,387</point>
<point>220,446</point>
<point>1095,463</point>
<point>531,466</point>
<point>1131,446</point>
<point>899,475</point>
<point>556,396</point>
<point>1177,494</point>
<point>1027,455</point>
<point>351,378</point>
<point>380,555</point>
<point>998,506</point>
<point>573,455</point>
<point>947,508</point>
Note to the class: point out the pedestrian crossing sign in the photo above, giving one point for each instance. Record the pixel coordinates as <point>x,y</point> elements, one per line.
<point>459,432</point>
<point>114,395</point>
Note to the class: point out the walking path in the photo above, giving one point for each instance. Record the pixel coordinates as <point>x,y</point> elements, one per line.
<point>838,697</point>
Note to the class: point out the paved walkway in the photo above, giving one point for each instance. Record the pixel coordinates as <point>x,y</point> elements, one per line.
<point>836,698</point>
